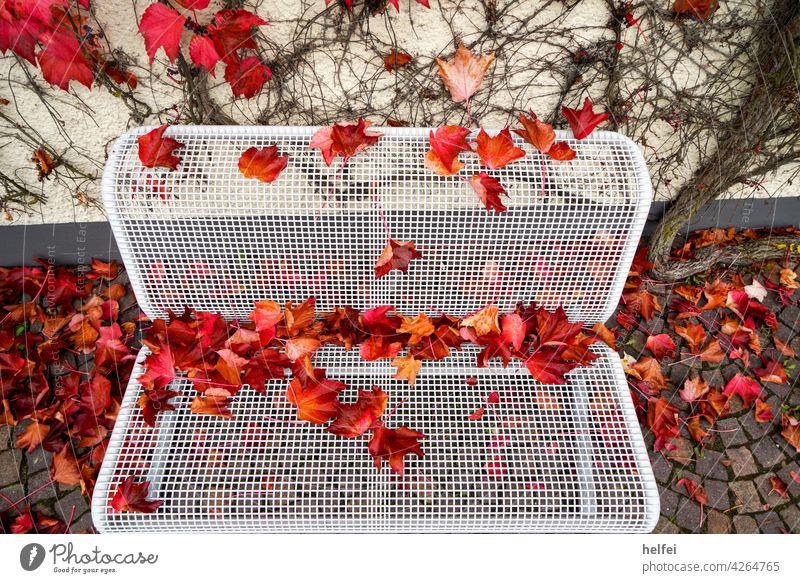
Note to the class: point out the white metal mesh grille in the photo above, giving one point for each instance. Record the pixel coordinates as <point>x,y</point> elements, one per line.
<point>578,466</point>
<point>207,237</point>
<point>204,236</point>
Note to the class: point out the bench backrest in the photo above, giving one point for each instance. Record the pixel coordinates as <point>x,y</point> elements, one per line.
<point>206,237</point>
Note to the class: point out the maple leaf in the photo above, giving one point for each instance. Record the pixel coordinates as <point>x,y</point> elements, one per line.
<point>156,150</point>
<point>419,327</point>
<point>693,389</point>
<point>214,402</point>
<point>712,352</point>
<point>561,151</point>
<point>538,134</point>
<point>159,369</point>
<point>463,73</point>
<point>584,120</point>
<point>648,370</point>
<point>194,4</point>
<point>297,348</point>
<point>32,436</point>
<point>488,190</point>
<point>264,164</point>
<point>316,401</point>
<point>203,53</point>
<point>660,345</point>
<point>702,9</point>
<point>642,302</point>
<point>155,401</point>
<point>662,418</point>
<point>162,27</point>
<point>396,255</point>
<point>247,77</point>
<point>498,150</point>
<point>696,491</point>
<point>407,368</point>
<point>132,497</point>
<point>394,444</point>
<point>790,430</point>
<point>763,412</point>
<point>772,372</point>
<point>779,486</point>
<point>64,468</point>
<point>696,430</point>
<point>783,347</point>
<point>267,315</point>
<point>354,420</point>
<point>694,334</point>
<point>745,387</point>
<point>62,60</point>
<point>478,414</point>
<point>447,142</point>
<point>484,321</point>
<point>345,139</point>
<point>609,337</point>
<point>547,366</point>
<point>231,31</point>
<point>396,59</point>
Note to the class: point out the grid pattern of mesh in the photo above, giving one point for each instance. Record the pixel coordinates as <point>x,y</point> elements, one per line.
<point>207,237</point>
<point>546,459</point>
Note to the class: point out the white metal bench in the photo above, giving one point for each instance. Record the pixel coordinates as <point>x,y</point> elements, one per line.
<point>206,237</point>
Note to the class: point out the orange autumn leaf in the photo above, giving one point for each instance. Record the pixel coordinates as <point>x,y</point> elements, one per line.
<point>396,59</point>
<point>213,402</point>
<point>463,73</point>
<point>696,430</point>
<point>538,134</point>
<point>407,368</point>
<point>783,347</point>
<point>712,352</point>
<point>562,152</point>
<point>693,389</point>
<point>32,436</point>
<point>488,189</point>
<point>604,334</point>
<point>297,348</point>
<point>484,321</point>
<point>419,327</point>
<point>702,9</point>
<point>694,334</point>
<point>396,255</point>
<point>64,468</point>
<point>790,430</point>
<point>498,150</point>
<point>763,413</point>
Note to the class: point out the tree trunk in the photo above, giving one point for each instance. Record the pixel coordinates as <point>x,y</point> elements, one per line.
<point>777,68</point>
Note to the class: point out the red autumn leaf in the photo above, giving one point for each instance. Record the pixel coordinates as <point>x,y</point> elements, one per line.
<point>396,255</point>
<point>394,444</point>
<point>513,330</point>
<point>156,150</point>
<point>772,372</point>
<point>561,151</point>
<point>264,164</point>
<point>538,134</point>
<point>696,491</point>
<point>763,412</point>
<point>301,346</point>
<point>159,369</point>
<point>489,190</point>
<point>316,401</point>
<point>345,139</point>
<point>548,366</point>
<point>204,53</point>
<point>463,73</point>
<point>779,486</point>
<point>693,389</point>
<point>584,120</point>
<point>62,60</point>
<point>396,3</point>
<point>194,4</point>
<point>493,398</point>
<point>154,402</point>
<point>232,31</point>
<point>162,26</point>
<point>745,387</point>
<point>478,414</point>
<point>354,420</point>
<point>497,151</point>
<point>660,345</point>
<point>132,497</point>
<point>267,315</point>
<point>790,430</point>
<point>641,302</point>
<point>247,77</point>
<point>447,142</point>
<point>702,9</point>
<point>396,59</point>
<point>213,402</point>
<point>662,418</point>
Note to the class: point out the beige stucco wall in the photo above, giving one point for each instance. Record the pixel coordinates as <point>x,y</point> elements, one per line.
<point>92,119</point>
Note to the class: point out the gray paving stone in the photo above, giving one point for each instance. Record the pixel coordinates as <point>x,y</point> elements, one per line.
<point>669,503</point>
<point>713,377</point>
<point>37,488</point>
<point>767,453</point>
<point>688,516</point>
<point>790,315</point>
<point>678,373</point>
<point>64,506</point>
<point>745,497</point>
<point>745,525</point>
<point>730,432</point>
<point>742,463</point>
<point>718,494</point>
<point>791,518</point>
<point>709,465</point>
<point>717,522</point>
<point>754,429</point>
<point>770,523</point>
<point>5,437</point>
<point>662,469</point>
<point>780,390</point>
<point>82,524</point>
<point>664,526</point>
<point>13,493</point>
<point>38,460</point>
<point>683,452</point>
<point>9,467</point>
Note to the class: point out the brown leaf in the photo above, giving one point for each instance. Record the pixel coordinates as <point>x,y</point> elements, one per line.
<point>463,73</point>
